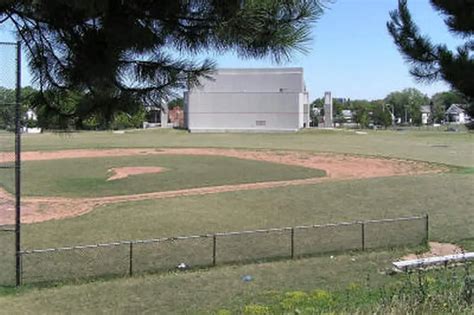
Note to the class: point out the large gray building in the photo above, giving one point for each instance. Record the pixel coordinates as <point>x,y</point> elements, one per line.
<point>248,100</point>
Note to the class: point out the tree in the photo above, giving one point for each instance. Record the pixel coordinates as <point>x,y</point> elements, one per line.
<point>382,116</point>
<point>316,111</point>
<point>446,99</point>
<point>177,102</point>
<point>406,104</point>
<point>127,121</point>
<point>119,54</point>
<point>361,109</point>
<point>7,105</point>
<point>53,108</point>
<point>441,102</point>
<point>430,62</point>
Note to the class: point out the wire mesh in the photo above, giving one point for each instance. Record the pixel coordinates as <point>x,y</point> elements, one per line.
<point>7,258</point>
<point>158,255</point>
<point>194,252</point>
<point>247,247</point>
<point>8,67</point>
<point>379,234</point>
<point>8,85</point>
<point>327,238</point>
<point>77,263</point>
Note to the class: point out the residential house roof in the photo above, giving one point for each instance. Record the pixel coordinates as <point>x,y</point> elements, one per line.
<point>425,109</point>
<point>347,113</point>
<point>455,109</point>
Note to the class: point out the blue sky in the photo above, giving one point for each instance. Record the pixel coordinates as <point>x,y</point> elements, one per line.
<point>351,53</point>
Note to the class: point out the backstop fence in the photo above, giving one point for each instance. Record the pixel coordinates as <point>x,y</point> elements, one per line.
<point>10,131</point>
<point>197,251</point>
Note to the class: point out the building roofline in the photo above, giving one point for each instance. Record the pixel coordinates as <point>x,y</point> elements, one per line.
<point>258,70</point>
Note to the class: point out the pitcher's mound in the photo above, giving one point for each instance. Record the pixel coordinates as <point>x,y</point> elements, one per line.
<point>124,172</point>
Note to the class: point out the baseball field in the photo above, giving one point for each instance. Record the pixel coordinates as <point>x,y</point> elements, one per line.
<point>100,187</point>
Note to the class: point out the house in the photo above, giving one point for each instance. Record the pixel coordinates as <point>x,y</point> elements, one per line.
<point>176,117</point>
<point>260,100</point>
<point>347,115</point>
<point>156,116</point>
<point>425,114</point>
<point>456,114</point>
<point>31,123</point>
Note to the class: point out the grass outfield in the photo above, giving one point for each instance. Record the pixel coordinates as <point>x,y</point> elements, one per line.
<point>446,197</point>
<point>450,218</point>
<point>87,177</point>
<point>454,148</point>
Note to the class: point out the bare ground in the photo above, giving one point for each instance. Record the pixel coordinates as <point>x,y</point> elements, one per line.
<point>337,167</point>
<point>436,249</point>
<point>124,172</point>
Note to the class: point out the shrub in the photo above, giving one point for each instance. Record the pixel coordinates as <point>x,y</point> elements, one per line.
<point>256,309</point>
<point>421,292</point>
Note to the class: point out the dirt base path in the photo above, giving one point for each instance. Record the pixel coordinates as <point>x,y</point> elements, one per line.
<point>337,167</point>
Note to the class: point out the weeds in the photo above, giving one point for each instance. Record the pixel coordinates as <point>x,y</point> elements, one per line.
<point>447,290</point>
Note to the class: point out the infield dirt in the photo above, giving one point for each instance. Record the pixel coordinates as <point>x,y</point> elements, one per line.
<point>336,166</point>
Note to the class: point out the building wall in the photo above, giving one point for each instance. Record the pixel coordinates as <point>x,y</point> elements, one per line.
<point>244,111</point>
<point>254,80</point>
<point>424,118</point>
<point>248,100</point>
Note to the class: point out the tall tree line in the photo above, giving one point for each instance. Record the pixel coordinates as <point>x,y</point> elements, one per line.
<point>403,107</point>
<point>433,62</point>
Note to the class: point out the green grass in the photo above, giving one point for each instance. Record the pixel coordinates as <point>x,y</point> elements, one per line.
<point>450,220</point>
<point>87,177</point>
<point>428,292</point>
<point>203,291</point>
<point>356,276</point>
<point>464,170</point>
<point>446,197</point>
<point>434,146</point>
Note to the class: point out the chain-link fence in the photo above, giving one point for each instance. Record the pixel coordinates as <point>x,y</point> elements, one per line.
<point>9,157</point>
<point>164,254</point>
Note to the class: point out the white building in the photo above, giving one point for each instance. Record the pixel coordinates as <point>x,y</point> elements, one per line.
<point>156,116</point>
<point>31,116</point>
<point>261,100</point>
<point>425,114</point>
<point>347,115</point>
<point>456,114</point>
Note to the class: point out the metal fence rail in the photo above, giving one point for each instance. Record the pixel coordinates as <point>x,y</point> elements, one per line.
<point>163,254</point>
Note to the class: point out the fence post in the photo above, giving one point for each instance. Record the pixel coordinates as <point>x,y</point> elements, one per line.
<point>214,249</point>
<point>427,229</point>
<point>362,225</point>
<point>292,248</point>
<point>130,270</point>
<point>18,167</point>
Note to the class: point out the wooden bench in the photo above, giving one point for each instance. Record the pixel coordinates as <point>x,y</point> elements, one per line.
<point>406,265</point>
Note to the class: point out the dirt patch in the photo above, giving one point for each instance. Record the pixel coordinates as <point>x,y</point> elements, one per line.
<point>336,166</point>
<point>436,249</point>
<point>124,172</point>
